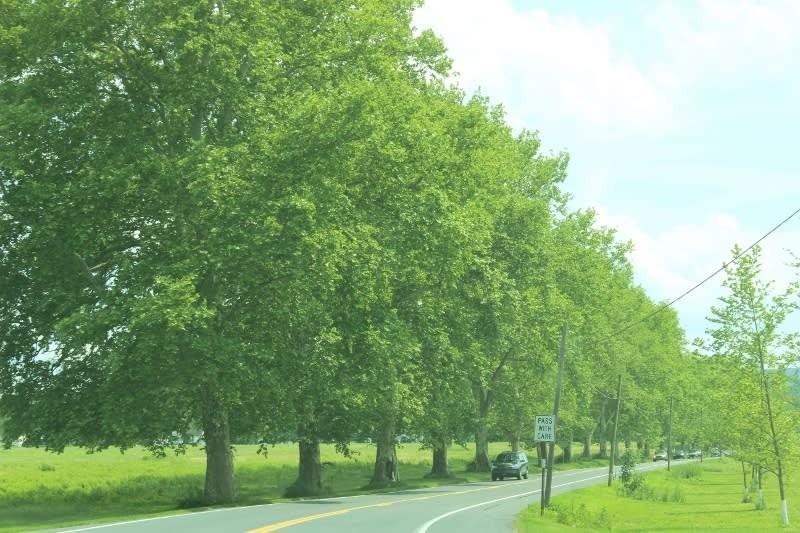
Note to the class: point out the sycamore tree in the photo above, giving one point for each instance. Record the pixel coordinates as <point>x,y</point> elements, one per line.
<point>747,335</point>
<point>429,222</point>
<point>526,392</point>
<point>719,384</point>
<point>448,406</point>
<point>592,271</point>
<point>397,190</point>
<point>653,351</point>
<point>504,311</point>
<point>609,338</point>
<point>128,216</point>
<point>692,393</point>
<point>528,316</point>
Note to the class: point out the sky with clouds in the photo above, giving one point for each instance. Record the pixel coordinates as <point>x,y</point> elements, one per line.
<point>680,118</point>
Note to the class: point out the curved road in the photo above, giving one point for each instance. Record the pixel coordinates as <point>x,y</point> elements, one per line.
<point>479,507</point>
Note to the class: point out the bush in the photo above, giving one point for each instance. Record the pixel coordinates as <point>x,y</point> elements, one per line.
<point>688,472</point>
<point>193,498</point>
<point>582,517</point>
<point>628,467</point>
<point>633,485</point>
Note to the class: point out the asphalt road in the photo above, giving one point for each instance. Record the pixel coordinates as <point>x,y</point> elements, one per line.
<point>478,507</point>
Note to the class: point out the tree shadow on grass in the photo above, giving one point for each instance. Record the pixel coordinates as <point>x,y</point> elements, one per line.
<point>712,512</point>
<point>98,500</point>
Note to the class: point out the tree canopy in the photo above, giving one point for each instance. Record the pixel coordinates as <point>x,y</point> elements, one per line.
<point>271,219</point>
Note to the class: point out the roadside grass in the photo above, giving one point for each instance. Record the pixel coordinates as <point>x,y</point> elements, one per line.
<point>704,496</point>
<point>40,490</point>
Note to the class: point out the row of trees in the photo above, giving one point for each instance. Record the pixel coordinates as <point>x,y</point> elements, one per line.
<point>744,385</point>
<point>738,388</point>
<point>261,218</point>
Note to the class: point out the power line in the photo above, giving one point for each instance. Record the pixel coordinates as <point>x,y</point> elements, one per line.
<point>720,269</point>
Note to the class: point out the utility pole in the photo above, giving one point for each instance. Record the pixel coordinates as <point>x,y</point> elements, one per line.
<point>543,464</point>
<point>669,436</point>
<point>614,433</point>
<point>550,456</point>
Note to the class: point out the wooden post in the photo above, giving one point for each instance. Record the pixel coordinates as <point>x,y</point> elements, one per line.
<point>550,456</point>
<point>614,433</point>
<point>543,464</point>
<point>669,436</point>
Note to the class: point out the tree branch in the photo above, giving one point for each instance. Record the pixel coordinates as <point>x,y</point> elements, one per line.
<point>86,270</point>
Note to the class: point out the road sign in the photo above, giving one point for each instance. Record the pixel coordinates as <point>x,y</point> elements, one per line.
<point>545,428</point>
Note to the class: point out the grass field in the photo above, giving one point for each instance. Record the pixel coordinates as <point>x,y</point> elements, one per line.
<point>41,490</point>
<point>703,496</point>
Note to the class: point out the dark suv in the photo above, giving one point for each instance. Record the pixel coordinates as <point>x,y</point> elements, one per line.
<point>509,464</point>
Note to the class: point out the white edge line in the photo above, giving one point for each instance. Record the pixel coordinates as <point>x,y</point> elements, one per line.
<point>183,515</point>
<point>154,518</point>
<point>424,527</point>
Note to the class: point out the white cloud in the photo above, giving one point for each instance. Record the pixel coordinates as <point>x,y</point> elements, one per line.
<point>541,64</point>
<point>595,187</point>
<point>672,262</point>
<point>725,37</point>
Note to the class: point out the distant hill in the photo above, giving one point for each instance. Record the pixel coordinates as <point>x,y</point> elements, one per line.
<point>794,380</point>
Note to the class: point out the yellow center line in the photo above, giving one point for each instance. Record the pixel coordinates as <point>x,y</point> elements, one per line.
<point>308,518</point>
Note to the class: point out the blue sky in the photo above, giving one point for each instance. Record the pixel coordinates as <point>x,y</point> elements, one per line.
<point>681,119</point>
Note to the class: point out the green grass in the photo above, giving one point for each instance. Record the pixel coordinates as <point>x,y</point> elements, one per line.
<point>703,496</point>
<point>41,490</point>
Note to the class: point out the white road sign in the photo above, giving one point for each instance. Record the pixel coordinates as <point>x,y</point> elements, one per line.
<point>545,428</point>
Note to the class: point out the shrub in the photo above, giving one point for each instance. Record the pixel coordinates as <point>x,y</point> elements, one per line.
<point>677,495</point>
<point>688,472</point>
<point>582,517</point>
<point>193,498</point>
<point>633,485</point>
<point>628,467</point>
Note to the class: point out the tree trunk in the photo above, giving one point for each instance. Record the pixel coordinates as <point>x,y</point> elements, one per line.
<point>603,429</point>
<point>765,386</point>
<point>587,446</point>
<point>385,471</point>
<point>482,462</point>
<point>515,441</point>
<point>567,452</point>
<point>309,475</point>
<point>219,484</point>
<point>440,467</point>
<point>746,498</point>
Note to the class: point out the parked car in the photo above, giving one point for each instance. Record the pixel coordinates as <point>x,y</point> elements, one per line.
<point>660,455</point>
<point>679,454</point>
<point>695,454</point>
<point>406,438</point>
<point>508,464</point>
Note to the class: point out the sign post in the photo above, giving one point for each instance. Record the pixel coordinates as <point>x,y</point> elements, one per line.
<point>545,431</point>
<point>556,402</point>
<point>543,463</point>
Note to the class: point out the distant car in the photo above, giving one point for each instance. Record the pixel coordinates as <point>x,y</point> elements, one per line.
<point>715,452</point>
<point>679,454</point>
<point>510,464</point>
<point>660,456</point>
<point>695,454</point>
